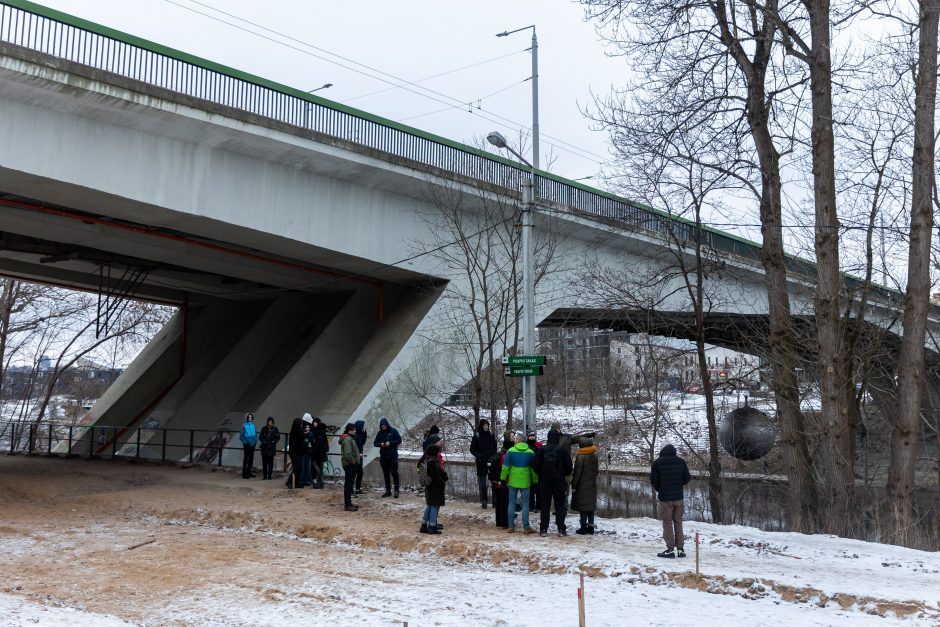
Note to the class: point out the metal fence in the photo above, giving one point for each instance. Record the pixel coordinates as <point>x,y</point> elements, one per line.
<point>199,446</point>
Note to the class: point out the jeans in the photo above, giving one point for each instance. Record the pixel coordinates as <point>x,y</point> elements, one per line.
<point>248,460</point>
<point>430,515</point>
<point>511,507</point>
<point>389,467</point>
<point>350,479</point>
<point>552,490</point>
<point>267,465</point>
<point>501,506</point>
<point>587,519</point>
<point>483,481</point>
<point>306,470</point>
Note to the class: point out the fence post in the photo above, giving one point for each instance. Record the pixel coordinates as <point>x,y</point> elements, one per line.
<point>49,446</point>
<point>70,440</point>
<point>163,448</point>
<point>190,446</point>
<point>12,436</point>
<point>137,453</point>
<point>221,446</point>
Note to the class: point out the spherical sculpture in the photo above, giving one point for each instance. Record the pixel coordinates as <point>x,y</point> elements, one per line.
<point>747,433</point>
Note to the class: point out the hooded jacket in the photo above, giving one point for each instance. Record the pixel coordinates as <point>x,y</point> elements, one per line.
<point>321,445</point>
<point>584,480</point>
<point>349,452</point>
<point>248,436</point>
<point>669,474</point>
<point>361,434</point>
<point>517,467</point>
<point>483,447</point>
<point>269,437</point>
<point>434,492</point>
<point>295,439</point>
<point>389,435</point>
<point>552,461</point>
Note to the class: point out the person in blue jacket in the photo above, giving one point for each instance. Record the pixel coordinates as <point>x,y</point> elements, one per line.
<point>249,439</point>
<point>387,441</point>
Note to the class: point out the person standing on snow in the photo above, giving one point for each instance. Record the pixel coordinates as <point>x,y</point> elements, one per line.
<point>306,467</point>
<point>532,439</point>
<point>584,485</point>
<point>552,465</point>
<point>434,495</point>
<point>269,438</point>
<point>500,487</point>
<point>518,473</point>
<point>668,475</point>
<point>249,439</point>
<point>483,449</point>
<point>387,441</point>
<point>295,450</point>
<point>361,436</point>
<point>349,455</point>
<point>321,449</point>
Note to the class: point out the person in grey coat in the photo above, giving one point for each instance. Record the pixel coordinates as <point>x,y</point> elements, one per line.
<point>584,485</point>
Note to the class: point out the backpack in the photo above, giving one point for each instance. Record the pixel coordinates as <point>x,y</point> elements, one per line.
<point>424,480</point>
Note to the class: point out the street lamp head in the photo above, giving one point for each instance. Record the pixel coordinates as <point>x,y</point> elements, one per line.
<point>323,86</point>
<point>505,33</point>
<point>497,139</point>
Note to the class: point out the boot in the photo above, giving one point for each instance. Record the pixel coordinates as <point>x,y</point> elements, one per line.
<point>582,530</point>
<point>396,494</point>
<point>424,528</point>
<point>590,530</point>
<point>386,495</point>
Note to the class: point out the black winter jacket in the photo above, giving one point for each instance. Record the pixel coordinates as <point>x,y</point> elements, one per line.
<point>668,474</point>
<point>361,434</point>
<point>552,461</point>
<point>295,440</point>
<point>483,448</point>
<point>434,493</point>
<point>268,439</point>
<point>389,435</point>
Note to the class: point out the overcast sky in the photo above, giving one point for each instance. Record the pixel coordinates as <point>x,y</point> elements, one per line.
<point>407,39</point>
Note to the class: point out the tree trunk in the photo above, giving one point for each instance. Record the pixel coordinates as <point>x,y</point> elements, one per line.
<point>904,435</point>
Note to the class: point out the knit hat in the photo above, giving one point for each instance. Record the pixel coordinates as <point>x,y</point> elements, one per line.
<point>434,440</point>
<point>307,418</point>
<point>586,442</point>
<point>434,429</point>
<point>531,434</point>
<point>556,426</point>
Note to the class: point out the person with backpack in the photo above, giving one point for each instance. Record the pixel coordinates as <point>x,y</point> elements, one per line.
<point>434,495</point>
<point>483,448</point>
<point>552,465</point>
<point>349,456</point>
<point>249,439</point>
<point>584,485</point>
<point>295,450</point>
<point>361,436</point>
<point>387,441</point>
<point>517,471</point>
<point>668,475</point>
<point>269,437</point>
<point>321,449</point>
<point>499,487</point>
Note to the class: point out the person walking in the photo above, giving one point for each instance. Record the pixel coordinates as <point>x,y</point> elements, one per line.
<point>387,441</point>
<point>249,439</point>
<point>361,436</point>
<point>518,473</point>
<point>295,450</point>
<point>552,465</point>
<point>484,451</point>
<point>321,449</point>
<point>269,437</point>
<point>434,496</point>
<point>349,455</point>
<point>668,474</point>
<point>584,485</point>
<point>500,488</point>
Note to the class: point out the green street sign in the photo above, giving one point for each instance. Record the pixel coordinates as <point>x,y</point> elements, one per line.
<point>524,371</point>
<point>524,360</point>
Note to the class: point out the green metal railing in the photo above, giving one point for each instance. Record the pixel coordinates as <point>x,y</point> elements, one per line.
<point>41,29</point>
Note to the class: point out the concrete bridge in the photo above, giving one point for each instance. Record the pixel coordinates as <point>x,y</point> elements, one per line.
<point>292,232</point>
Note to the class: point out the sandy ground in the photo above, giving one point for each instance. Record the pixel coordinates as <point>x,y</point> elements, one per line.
<point>223,550</point>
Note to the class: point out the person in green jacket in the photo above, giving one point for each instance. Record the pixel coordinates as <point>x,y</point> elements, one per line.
<point>349,455</point>
<point>519,474</point>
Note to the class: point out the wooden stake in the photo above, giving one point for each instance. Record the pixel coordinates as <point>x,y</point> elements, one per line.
<point>697,573</point>
<point>137,546</point>
<point>581,617</point>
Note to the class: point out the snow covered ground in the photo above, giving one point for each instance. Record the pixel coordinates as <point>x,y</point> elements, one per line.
<point>224,551</point>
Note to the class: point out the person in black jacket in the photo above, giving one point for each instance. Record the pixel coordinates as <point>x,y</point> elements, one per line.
<point>387,441</point>
<point>483,449</point>
<point>434,495</point>
<point>268,438</point>
<point>321,449</point>
<point>360,436</point>
<point>295,449</point>
<point>552,464</point>
<point>668,475</point>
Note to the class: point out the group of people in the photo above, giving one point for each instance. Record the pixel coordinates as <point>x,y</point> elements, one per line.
<point>522,474</point>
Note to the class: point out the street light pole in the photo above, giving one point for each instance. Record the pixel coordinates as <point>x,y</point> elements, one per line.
<point>308,105</point>
<point>528,207</point>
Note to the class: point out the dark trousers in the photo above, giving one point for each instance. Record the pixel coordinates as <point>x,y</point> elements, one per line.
<point>350,479</point>
<point>306,470</point>
<point>671,514</point>
<point>587,519</point>
<point>483,481</point>
<point>501,505</point>
<point>359,473</point>
<point>267,465</point>
<point>552,490</point>
<point>248,460</point>
<point>389,467</point>
<point>293,479</point>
